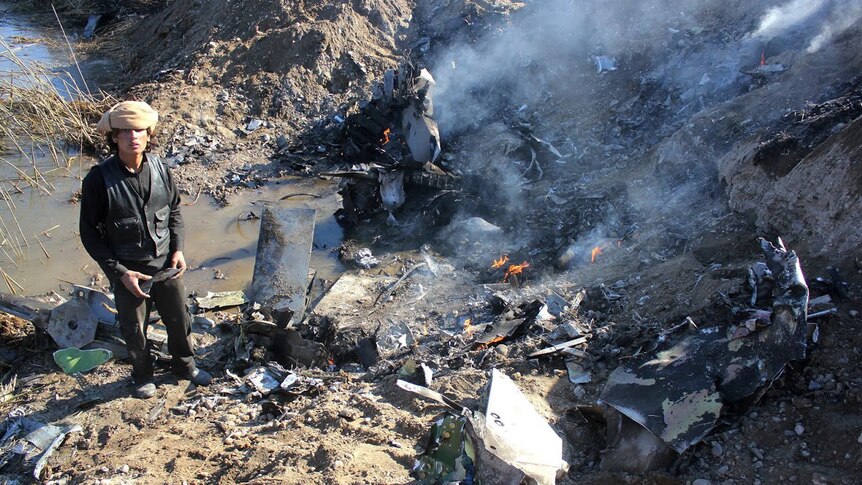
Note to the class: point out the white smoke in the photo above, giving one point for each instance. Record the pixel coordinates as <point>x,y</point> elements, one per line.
<point>778,19</point>
<point>840,20</point>
<point>523,60</point>
<point>825,19</point>
<point>554,35</point>
<point>694,53</point>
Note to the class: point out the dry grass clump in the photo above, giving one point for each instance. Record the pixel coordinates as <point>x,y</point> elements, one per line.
<point>81,9</point>
<point>42,108</point>
<point>69,8</point>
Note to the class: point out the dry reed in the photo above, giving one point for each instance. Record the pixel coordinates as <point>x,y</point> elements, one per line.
<point>40,107</point>
<point>41,113</point>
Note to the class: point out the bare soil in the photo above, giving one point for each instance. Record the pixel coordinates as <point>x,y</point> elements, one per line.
<point>681,184</point>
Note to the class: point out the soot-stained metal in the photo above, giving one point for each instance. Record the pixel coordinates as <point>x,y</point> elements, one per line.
<point>678,392</point>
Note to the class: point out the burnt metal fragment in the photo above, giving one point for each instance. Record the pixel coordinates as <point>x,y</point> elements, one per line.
<point>280,281</point>
<point>366,352</point>
<point>839,285</point>
<point>678,393</point>
<point>508,328</point>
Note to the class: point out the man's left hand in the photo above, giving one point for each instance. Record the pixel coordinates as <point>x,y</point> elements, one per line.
<point>178,261</point>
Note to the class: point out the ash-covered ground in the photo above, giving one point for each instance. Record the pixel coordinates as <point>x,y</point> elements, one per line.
<point>631,154</point>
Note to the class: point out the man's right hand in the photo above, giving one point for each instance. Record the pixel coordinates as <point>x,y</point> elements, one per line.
<point>130,280</point>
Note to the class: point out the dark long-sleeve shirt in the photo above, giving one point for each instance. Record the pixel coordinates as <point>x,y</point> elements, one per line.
<point>94,211</point>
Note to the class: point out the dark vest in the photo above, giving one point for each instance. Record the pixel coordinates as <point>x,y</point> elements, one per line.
<point>135,230</point>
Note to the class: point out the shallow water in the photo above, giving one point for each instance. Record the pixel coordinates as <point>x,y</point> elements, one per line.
<point>216,238</point>
<point>32,44</point>
<point>225,240</point>
<point>27,41</point>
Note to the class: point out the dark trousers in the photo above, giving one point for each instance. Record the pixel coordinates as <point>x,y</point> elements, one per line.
<point>133,315</point>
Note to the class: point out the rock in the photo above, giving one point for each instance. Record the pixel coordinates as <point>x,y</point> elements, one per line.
<point>799,429</point>
<point>281,142</point>
<point>853,314</point>
<point>363,258</point>
<point>756,452</point>
<point>123,469</point>
<point>722,470</point>
<point>701,481</point>
<point>717,449</point>
<point>475,228</point>
<point>859,439</point>
<point>580,392</point>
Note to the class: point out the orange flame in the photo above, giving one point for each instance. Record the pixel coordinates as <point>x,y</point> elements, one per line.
<point>498,263</point>
<point>515,269</point>
<point>763,58</point>
<point>386,133</point>
<point>484,346</point>
<point>596,251</point>
<point>496,339</point>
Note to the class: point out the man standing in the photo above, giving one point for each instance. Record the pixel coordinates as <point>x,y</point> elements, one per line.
<point>131,225</point>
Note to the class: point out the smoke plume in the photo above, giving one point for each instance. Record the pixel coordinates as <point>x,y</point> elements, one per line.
<point>778,19</point>
<point>818,21</point>
<point>677,58</point>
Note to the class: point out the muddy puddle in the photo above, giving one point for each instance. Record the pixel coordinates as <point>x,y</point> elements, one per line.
<point>221,243</point>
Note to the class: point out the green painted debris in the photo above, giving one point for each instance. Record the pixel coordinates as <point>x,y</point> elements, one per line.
<point>224,299</point>
<point>449,454</point>
<point>74,360</point>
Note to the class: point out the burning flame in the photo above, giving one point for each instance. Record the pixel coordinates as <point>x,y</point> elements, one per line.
<point>498,263</point>
<point>484,346</point>
<point>515,269</point>
<point>386,133</point>
<point>596,251</point>
<point>763,58</point>
<point>468,326</point>
<point>496,339</point>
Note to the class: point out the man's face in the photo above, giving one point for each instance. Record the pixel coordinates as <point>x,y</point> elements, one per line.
<point>131,143</point>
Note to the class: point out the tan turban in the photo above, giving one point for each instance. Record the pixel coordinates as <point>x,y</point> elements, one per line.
<point>128,115</point>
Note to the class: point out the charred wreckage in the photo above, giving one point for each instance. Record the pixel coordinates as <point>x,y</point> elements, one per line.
<point>655,405</point>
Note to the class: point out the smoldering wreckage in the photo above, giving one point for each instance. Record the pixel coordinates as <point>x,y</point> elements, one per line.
<point>663,399</point>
